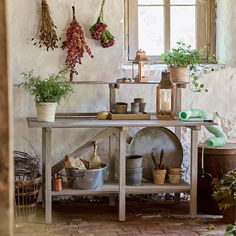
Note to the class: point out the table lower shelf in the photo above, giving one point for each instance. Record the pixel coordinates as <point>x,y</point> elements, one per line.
<point>110,188</point>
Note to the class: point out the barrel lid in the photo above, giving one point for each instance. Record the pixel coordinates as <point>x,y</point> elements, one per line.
<point>227,149</point>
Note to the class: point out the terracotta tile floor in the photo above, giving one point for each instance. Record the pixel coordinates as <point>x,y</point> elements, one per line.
<point>100,219</point>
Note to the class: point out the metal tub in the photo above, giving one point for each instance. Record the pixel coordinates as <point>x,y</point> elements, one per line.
<point>86,179</point>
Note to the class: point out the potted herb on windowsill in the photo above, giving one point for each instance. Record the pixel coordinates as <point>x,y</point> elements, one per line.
<point>47,93</point>
<point>225,194</point>
<point>183,60</point>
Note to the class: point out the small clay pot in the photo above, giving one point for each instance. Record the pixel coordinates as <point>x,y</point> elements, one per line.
<point>139,100</point>
<point>134,107</point>
<point>179,75</point>
<point>174,179</point>
<point>159,176</point>
<point>142,107</point>
<point>175,171</point>
<point>120,107</point>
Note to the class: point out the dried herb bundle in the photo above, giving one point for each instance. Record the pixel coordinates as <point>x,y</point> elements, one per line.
<point>100,32</point>
<point>47,34</point>
<point>76,45</point>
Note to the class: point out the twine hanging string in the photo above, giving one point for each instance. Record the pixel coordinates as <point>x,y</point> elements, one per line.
<point>101,10</point>
<point>73,11</point>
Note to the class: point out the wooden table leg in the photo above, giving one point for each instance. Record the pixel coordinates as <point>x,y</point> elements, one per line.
<point>122,173</point>
<point>193,177</point>
<point>112,154</point>
<point>178,134</point>
<point>48,175</point>
<point>43,164</point>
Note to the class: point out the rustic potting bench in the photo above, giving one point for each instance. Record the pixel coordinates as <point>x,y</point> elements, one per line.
<point>70,121</point>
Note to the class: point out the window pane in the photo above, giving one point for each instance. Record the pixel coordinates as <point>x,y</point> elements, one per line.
<point>181,2</point>
<point>183,25</point>
<point>151,30</point>
<point>150,2</point>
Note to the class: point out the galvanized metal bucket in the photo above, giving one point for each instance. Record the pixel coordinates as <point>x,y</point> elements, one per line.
<point>134,176</point>
<point>134,161</point>
<point>86,179</point>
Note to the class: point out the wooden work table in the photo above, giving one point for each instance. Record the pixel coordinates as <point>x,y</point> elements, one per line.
<point>120,188</point>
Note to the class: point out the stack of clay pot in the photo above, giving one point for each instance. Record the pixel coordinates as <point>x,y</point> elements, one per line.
<point>175,175</point>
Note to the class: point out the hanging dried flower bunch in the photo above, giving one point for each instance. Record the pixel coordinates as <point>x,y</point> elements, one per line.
<point>100,32</point>
<point>47,33</point>
<point>76,45</point>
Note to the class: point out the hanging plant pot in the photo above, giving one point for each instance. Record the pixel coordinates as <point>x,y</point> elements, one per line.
<point>179,75</point>
<point>46,111</point>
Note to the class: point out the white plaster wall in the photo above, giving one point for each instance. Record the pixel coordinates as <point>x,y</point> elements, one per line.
<point>86,98</point>
<point>226,37</point>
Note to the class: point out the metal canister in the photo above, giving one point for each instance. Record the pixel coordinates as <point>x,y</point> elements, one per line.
<point>57,183</point>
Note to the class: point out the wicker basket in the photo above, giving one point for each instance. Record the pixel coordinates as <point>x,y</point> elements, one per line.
<point>26,195</point>
<point>27,184</point>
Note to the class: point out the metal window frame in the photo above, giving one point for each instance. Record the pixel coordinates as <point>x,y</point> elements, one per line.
<point>205,36</point>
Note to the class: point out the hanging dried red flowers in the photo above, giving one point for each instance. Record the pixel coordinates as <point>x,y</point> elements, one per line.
<point>100,32</point>
<point>76,45</point>
<point>47,34</point>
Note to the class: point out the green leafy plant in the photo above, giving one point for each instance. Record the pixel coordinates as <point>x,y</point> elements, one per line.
<point>184,56</point>
<point>53,89</point>
<point>212,59</point>
<point>230,230</point>
<point>225,190</point>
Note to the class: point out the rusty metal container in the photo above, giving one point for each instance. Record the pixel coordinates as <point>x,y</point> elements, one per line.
<point>217,162</point>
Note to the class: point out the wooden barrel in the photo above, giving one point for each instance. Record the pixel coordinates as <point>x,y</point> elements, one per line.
<point>217,162</point>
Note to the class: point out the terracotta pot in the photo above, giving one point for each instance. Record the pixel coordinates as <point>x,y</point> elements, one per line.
<point>179,75</point>
<point>175,171</point>
<point>46,111</point>
<point>159,176</point>
<point>174,179</point>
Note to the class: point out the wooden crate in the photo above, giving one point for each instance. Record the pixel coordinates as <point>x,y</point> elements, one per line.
<point>129,116</point>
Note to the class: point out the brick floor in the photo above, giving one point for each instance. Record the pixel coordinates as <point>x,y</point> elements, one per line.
<point>100,219</point>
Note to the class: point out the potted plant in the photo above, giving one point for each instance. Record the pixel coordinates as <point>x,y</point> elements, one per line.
<point>182,60</point>
<point>159,172</point>
<point>47,93</point>
<point>225,194</point>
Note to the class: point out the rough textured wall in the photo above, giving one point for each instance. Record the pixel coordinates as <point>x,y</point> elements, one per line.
<point>218,102</point>
<point>226,21</point>
<point>86,98</point>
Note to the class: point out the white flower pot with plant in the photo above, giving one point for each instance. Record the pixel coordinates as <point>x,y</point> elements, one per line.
<point>47,93</point>
<point>182,62</point>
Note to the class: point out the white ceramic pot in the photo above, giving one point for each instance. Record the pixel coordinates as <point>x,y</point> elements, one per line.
<point>46,111</point>
<point>179,75</point>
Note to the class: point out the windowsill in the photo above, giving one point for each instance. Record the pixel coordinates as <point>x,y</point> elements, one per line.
<point>128,66</point>
<point>161,67</point>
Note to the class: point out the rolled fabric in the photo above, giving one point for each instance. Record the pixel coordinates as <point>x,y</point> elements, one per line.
<point>220,138</point>
<point>193,113</point>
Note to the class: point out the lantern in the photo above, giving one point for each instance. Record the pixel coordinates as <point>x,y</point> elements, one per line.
<point>166,98</point>
<point>142,65</point>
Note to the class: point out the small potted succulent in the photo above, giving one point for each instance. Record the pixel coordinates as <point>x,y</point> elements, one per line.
<point>225,194</point>
<point>47,93</point>
<point>183,60</point>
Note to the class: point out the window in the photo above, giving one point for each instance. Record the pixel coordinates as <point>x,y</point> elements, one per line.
<point>156,25</point>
